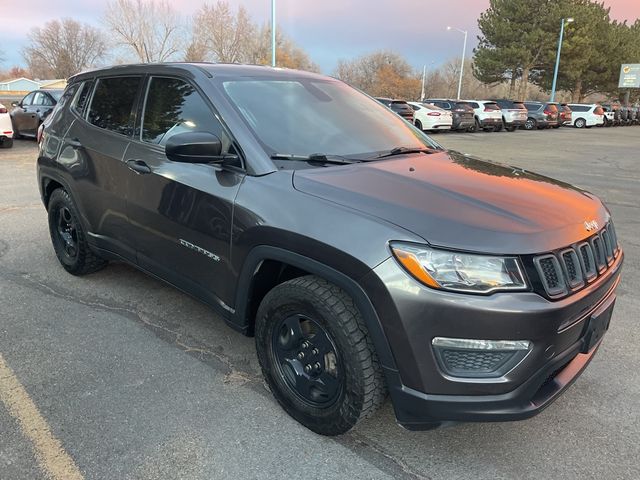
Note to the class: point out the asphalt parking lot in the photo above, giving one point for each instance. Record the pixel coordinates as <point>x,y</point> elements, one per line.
<point>137,380</point>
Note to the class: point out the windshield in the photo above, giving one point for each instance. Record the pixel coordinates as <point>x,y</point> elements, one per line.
<point>56,94</point>
<point>310,116</point>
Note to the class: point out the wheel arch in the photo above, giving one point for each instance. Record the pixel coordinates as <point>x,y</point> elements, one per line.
<point>48,186</point>
<point>267,266</point>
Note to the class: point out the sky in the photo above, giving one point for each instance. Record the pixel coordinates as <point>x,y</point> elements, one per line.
<point>329,30</point>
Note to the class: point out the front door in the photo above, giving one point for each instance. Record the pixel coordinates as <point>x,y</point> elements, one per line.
<point>181,213</point>
<point>23,115</point>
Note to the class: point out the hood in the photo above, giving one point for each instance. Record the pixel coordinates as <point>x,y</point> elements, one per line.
<point>459,202</point>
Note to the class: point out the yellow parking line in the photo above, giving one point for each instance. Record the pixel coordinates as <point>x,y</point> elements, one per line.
<point>52,458</point>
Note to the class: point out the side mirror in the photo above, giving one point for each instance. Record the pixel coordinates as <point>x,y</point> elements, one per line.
<point>194,147</point>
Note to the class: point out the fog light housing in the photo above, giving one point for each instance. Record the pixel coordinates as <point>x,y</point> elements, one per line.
<point>471,358</point>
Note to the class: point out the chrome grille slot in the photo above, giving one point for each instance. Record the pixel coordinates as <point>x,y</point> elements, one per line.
<point>551,274</point>
<point>587,262</point>
<point>598,252</point>
<point>608,244</point>
<point>614,238</point>
<point>572,268</point>
<point>566,270</point>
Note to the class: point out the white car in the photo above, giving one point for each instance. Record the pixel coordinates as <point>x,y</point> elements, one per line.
<point>488,114</point>
<point>431,118</point>
<point>6,128</point>
<point>586,115</point>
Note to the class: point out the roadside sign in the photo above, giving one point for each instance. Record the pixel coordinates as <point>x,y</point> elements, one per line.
<point>629,75</point>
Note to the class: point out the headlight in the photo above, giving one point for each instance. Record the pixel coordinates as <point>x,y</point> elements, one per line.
<point>462,272</point>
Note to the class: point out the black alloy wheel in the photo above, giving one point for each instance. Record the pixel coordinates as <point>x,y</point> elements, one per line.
<point>66,232</point>
<point>68,237</point>
<point>307,360</point>
<point>316,355</point>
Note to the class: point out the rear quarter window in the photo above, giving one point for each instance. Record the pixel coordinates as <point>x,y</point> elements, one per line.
<point>80,102</point>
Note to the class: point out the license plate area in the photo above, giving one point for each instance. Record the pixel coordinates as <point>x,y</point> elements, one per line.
<point>598,325</point>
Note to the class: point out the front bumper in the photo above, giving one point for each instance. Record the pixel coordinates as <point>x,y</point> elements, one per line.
<point>424,396</point>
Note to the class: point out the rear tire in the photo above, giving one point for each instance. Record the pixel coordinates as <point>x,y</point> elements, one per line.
<point>418,125</point>
<point>6,143</point>
<point>530,124</point>
<point>316,355</point>
<point>68,237</point>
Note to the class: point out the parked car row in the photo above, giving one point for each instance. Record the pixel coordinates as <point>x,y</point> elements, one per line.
<point>26,116</point>
<point>434,114</point>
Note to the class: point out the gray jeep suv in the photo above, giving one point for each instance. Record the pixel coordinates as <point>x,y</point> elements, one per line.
<point>362,256</point>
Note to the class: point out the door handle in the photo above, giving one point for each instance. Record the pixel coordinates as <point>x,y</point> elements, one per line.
<point>138,166</point>
<point>74,143</point>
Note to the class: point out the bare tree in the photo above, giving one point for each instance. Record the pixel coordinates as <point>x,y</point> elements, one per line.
<point>62,48</point>
<point>288,53</point>
<point>224,36</point>
<point>151,28</point>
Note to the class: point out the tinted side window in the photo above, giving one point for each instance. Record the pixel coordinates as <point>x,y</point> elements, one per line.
<point>38,99</point>
<point>28,99</point>
<point>112,107</point>
<point>83,96</point>
<point>48,100</point>
<point>474,105</point>
<point>174,106</point>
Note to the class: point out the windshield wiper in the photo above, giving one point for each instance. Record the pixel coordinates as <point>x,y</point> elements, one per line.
<point>404,150</point>
<point>315,157</point>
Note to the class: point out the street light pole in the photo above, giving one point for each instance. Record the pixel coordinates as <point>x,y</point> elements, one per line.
<point>464,52</point>
<point>555,71</point>
<point>424,74</point>
<point>273,33</point>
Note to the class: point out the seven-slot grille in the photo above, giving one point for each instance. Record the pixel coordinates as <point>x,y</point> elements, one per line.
<point>573,267</point>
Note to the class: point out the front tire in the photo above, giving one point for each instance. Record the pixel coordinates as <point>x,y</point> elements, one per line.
<point>580,123</point>
<point>316,355</point>
<point>68,237</point>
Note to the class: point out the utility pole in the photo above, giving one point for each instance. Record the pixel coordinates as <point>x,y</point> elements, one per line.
<point>273,33</point>
<point>464,52</point>
<point>424,75</point>
<point>555,72</point>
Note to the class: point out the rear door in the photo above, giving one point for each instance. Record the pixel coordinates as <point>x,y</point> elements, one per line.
<point>181,213</point>
<point>96,144</point>
<point>22,114</point>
